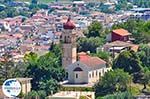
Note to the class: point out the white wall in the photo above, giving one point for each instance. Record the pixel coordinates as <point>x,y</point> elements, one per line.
<point>83,78</point>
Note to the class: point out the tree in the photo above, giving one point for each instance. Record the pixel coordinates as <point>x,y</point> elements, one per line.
<point>48,86</point>
<point>94,29</point>
<point>144,55</point>
<point>31,95</point>
<point>2,7</point>
<point>11,12</point>
<point>146,78</point>
<point>45,71</point>
<point>128,61</point>
<point>113,81</point>
<point>89,44</point>
<point>43,6</point>
<point>118,95</point>
<point>3,14</point>
<point>146,30</point>
<point>34,1</point>
<point>103,55</point>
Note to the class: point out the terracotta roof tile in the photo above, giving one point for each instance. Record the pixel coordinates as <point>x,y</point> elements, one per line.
<point>91,62</point>
<point>121,32</point>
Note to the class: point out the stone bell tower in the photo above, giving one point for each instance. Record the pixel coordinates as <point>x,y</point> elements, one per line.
<point>69,44</point>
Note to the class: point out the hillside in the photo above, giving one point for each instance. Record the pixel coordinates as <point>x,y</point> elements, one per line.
<point>47,1</point>
<point>41,1</point>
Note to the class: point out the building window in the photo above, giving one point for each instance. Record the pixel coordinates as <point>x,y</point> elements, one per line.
<point>76,75</point>
<point>89,75</point>
<point>99,74</point>
<point>96,73</point>
<point>103,71</point>
<point>93,74</point>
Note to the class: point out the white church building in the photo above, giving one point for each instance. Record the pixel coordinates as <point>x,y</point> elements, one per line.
<point>86,70</point>
<point>81,67</point>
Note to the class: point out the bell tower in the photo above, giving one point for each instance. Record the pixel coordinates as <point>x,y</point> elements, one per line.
<point>69,43</point>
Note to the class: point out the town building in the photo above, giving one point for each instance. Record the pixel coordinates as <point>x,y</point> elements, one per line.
<point>86,70</point>
<point>25,84</point>
<point>120,34</point>
<point>69,44</point>
<point>81,68</point>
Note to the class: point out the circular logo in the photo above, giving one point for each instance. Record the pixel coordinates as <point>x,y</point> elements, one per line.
<point>11,88</point>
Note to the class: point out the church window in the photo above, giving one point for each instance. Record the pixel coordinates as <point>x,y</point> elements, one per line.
<point>76,75</point>
<point>99,74</point>
<point>89,75</point>
<point>96,73</point>
<point>93,74</point>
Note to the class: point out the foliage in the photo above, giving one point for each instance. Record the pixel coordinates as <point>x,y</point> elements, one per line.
<point>50,10</point>
<point>48,86</point>
<point>11,12</point>
<point>118,95</point>
<point>3,14</point>
<point>45,70</point>
<point>128,61</point>
<point>134,90</point>
<point>146,78</point>
<point>106,8</point>
<point>113,81</point>
<point>123,5</point>
<point>146,30</point>
<point>141,3</point>
<point>76,88</point>
<point>34,1</point>
<point>42,94</point>
<point>43,6</point>
<point>94,29</point>
<point>31,95</point>
<point>89,44</point>
<point>35,95</point>
<point>103,55</point>
<point>82,97</point>
<point>2,7</point>
<point>144,55</point>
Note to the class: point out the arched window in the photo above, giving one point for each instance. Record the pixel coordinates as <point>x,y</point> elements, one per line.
<point>89,75</point>
<point>99,74</point>
<point>96,73</point>
<point>93,74</point>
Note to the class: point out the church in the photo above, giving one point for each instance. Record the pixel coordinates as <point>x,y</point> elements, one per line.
<point>81,67</point>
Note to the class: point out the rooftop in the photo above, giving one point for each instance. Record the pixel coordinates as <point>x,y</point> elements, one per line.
<point>90,61</point>
<point>69,24</point>
<point>121,32</point>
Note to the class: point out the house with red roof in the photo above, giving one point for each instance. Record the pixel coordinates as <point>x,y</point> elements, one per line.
<point>120,34</point>
<point>86,70</point>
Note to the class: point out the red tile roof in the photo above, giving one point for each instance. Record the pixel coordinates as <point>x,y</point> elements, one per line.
<point>90,61</point>
<point>121,32</point>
